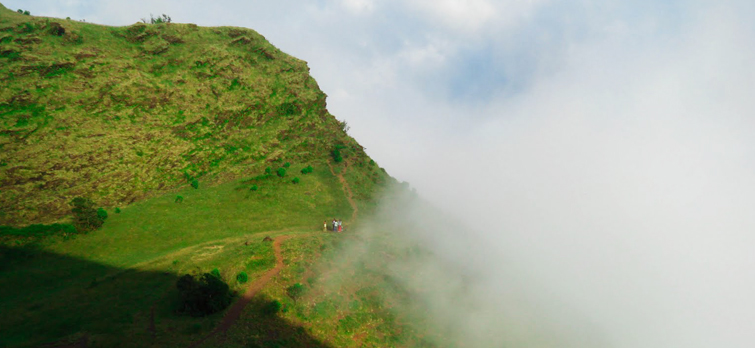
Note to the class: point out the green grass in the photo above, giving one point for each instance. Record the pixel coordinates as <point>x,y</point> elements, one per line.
<point>219,227</point>
<point>174,126</point>
<point>122,114</point>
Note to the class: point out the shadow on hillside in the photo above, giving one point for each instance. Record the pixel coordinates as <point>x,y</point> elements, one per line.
<point>50,300</point>
<point>258,329</point>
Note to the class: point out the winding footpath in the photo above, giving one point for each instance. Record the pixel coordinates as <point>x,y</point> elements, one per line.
<point>346,189</point>
<point>233,313</point>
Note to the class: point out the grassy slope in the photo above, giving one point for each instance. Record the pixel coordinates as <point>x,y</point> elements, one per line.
<point>120,114</point>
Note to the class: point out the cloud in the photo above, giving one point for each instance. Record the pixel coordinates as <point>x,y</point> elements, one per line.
<point>621,186</point>
<point>359,6</point>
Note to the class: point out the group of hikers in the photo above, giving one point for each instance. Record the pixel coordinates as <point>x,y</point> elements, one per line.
<point>335,226</point>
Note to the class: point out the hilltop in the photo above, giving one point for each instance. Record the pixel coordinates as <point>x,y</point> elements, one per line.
<point>121,114</point>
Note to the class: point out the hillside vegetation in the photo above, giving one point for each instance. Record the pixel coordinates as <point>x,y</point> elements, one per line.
<point>211,153</point>
<point>118,114</point>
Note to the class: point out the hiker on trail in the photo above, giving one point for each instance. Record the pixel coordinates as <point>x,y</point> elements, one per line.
<point>335,225</point>
<point>325,226</point>
<point>340,226</point>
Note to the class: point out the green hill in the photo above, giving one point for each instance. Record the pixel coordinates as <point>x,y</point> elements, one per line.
<point>120,114</point>
<point>198,143</point>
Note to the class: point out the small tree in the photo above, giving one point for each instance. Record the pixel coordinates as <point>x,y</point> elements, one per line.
<point>203,295</point>
<point>295,291</point>
<point>281,172</point>
<point>242,277</point>
<point>85,217</point>
<point>195,183</point>
<point>296,180</point>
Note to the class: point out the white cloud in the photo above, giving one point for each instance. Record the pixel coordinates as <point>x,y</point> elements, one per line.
<point>359,6</point>
<point>470,16</point>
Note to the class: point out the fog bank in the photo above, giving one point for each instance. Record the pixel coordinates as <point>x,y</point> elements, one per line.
<point>611,203</point>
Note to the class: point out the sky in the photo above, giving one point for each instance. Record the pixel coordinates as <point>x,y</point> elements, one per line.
<point>602,151</point>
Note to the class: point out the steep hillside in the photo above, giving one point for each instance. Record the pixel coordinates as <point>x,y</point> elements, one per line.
<point>119,114</point>
<point>213,154</point>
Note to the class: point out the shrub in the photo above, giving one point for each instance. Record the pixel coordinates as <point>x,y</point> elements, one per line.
<point>195,183</point>
<point>85,217</point>
<point>269,170</point>
<point>117,210</point>
<point>271,307</point>
<point>337,155</point>
<point>179,199</point>
<point>102,214</point>
<point>281,172</point>
<point>203,295</point>
<point>157,20</point>
<point>295,291</point>
<point>307,170</point>
<point>253,188</point>
<point>286,165</point>
<point>215,272</point>
<point>295,181</point>
<point>242,277</point>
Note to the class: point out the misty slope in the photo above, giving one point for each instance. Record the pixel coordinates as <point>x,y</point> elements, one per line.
<point>120,114</point>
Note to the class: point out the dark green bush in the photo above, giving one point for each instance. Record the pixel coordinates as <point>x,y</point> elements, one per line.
<point>215,272</point>
<point>195,183</point>
<point>286,165</point>
<point>85,217</point>
<point>337,155</point>
<point>296,180</point>
<point>271,307</point>
<point>281,172</point>
<point>307,170</point>
<point>242,277</point>
<point>179,199</point>
<point>102,213</point>
<point>117,210</point>
<point>204,295</point>
<point>269,170</point>
<point>253,188</point>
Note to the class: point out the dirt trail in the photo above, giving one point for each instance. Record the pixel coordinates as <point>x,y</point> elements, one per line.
<point>235,311</point>
<point>346,189</point>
